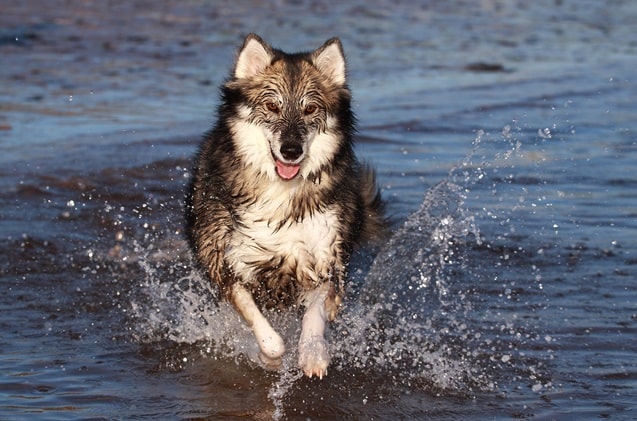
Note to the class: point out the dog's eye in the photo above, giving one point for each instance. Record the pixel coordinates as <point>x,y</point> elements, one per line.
<point>310,109</point>
<point>272,106</point>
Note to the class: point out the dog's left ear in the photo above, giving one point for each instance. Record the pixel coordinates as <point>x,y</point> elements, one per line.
<point>329,59</point>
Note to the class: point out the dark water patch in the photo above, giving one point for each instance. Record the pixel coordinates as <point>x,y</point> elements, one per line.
<point>363,139</point>
<point>25,35</point>
<point>31,191</point>
<point>486,67</point>
<point>421,127</point>
<point>622,182</point>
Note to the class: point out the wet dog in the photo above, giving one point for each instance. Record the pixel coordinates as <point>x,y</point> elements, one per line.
<point>278,198</point>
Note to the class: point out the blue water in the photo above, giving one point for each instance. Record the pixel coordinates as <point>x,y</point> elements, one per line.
<point>505,140</point>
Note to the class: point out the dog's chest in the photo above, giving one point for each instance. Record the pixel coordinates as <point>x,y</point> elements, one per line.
<point>308,246</point>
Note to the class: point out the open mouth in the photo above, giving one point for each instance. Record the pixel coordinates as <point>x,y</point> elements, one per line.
<point>287,171</point>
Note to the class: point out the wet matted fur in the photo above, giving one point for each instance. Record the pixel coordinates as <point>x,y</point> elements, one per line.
<point>278,199</point>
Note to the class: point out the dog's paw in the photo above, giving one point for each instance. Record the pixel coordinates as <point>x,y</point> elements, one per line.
<point>271,345</point>
<point>272,348</point>
<point>270,364</point>
<point>313,356</point>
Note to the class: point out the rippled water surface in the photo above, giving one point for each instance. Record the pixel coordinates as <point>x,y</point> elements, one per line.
<point>504,135</point>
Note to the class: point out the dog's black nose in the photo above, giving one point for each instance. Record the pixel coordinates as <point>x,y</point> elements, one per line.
<point>291,151</point>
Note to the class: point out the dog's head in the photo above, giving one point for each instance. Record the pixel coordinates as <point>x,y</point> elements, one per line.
<point>291,111</point>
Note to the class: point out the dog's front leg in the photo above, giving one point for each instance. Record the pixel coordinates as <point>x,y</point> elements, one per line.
<point>270,343</point>
<point>313,355</point>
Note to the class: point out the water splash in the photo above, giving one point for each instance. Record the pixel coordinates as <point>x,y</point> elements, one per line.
<point>408,319</point>
<point>412,320</point>
<point>289,375</point>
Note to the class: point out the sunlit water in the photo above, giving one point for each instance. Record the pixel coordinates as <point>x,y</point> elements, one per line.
<point>504,136</point>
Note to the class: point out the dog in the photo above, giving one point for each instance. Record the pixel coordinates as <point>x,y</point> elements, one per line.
<point>277,199</point>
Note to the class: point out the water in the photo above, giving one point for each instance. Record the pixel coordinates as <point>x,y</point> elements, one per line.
<point>505,142</point>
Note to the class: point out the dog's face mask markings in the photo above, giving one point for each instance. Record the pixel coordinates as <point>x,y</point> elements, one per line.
<point>290,99</point>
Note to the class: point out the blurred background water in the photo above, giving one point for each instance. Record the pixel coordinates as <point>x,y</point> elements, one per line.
<point>504,136</point>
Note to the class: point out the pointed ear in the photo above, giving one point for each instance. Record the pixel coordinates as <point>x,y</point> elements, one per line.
<point>254,57</point>
<point>330,61</point>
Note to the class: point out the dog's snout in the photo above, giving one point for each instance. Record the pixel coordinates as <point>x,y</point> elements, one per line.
<point>291,151</point>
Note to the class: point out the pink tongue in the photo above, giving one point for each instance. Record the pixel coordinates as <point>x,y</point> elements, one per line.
<point>286,172</point>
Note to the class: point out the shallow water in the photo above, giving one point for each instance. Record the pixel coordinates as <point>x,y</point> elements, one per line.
<point>505,142</point>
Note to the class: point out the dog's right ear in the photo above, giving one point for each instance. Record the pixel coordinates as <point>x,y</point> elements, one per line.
<point>254,56</point>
